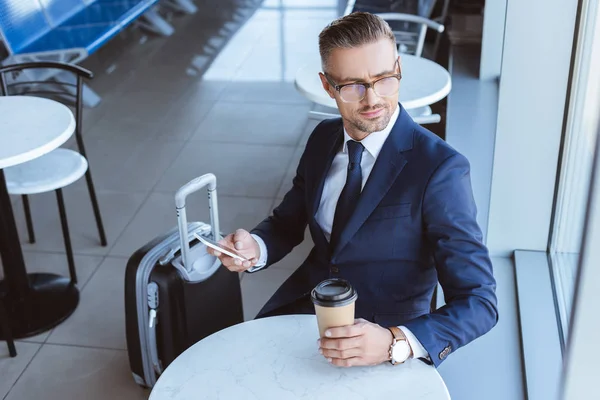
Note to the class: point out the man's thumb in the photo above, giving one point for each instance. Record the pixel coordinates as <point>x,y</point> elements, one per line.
<point>238,238</point>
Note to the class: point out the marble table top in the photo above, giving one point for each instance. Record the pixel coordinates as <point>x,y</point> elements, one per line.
<point>423,83</point>
<point>277,358</point>
<point>31,127</point>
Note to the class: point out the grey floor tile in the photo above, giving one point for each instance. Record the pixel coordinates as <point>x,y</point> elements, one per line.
<point>128,165</point>
<point>202,91</point>
<point>12,368</point>
<point>171,78</point>
<point>254,123</point>
<point>258,287</point>
<point>144,105</point>
<point>241,170</point>
<point>186,114</point>
<point>157,216</point>
<point>286,183</point>
<point>91,116</point>
<point>263,92</point>
<point>99,320</point>
<point>183,120</point>
<point>117,210</point>
<point>261,65</point>
<point>57,264</point>
<point>108,127</point>
<point>40,339</point>
<point>63,372</point>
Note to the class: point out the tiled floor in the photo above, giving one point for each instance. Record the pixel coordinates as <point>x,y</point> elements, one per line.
<point>165,119</point>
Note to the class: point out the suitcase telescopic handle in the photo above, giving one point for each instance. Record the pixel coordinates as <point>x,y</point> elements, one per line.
<point>193,186</point>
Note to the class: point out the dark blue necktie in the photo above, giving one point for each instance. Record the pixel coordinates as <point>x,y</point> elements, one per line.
<point>350,194</point>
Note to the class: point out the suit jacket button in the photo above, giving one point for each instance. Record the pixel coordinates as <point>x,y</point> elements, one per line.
<point>334,269</point>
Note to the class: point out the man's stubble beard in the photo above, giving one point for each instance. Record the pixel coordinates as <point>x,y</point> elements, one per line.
<point>369,127</point>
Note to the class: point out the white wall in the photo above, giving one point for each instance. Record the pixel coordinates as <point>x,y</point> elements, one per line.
<point>535,70</point>
<point>493,39</point>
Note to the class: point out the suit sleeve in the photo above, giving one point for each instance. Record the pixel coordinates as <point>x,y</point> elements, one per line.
<point>462,261</point>
<point>284,229</point>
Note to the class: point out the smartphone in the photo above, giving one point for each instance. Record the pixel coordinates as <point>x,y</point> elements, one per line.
<point>219,247</point>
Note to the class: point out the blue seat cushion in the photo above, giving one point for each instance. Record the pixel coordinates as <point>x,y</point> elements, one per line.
<point>58,11</point>
<point>122,12</point>
<point>21,22</point>
<point>91,27</point>
<point>89,38</point>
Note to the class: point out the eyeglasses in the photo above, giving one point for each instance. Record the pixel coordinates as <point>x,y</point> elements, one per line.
<point>355,92</point>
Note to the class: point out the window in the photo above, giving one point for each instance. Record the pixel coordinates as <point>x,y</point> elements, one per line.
<point>578,148</point>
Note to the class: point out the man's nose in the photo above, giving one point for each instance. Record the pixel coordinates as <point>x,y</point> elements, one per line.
<point>371,97</point>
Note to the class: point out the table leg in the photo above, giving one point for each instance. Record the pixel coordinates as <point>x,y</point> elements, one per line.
<point>35,303</point>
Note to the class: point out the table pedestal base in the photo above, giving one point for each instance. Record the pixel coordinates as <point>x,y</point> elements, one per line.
<point>49,300</point>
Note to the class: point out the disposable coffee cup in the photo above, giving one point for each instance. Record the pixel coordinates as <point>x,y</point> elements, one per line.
<point>334,304</point>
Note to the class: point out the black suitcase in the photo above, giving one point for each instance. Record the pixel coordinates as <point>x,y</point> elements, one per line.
<point>176,293</point>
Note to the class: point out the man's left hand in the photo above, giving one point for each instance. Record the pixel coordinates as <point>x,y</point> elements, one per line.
<point>363,343</point>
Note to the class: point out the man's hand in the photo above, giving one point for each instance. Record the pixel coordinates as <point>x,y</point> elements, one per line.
<point>363,343</point>
<point>244,244</point>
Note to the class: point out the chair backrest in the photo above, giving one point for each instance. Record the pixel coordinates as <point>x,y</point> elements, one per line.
<point>409,39</point>
<point>21,23</point>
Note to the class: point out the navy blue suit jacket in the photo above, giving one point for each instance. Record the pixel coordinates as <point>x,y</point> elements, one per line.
<point>414,225</point>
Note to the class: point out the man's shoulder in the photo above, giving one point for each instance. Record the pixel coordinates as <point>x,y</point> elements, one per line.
<point>431,149</point>
<point>326,130</point>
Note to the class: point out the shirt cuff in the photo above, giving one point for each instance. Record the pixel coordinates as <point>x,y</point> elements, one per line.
<point>417,348</point>
<point>262,260</point>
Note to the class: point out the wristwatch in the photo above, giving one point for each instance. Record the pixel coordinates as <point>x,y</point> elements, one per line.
<point>400,350</point>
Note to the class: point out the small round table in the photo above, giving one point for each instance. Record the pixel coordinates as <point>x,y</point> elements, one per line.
<point>423,82</point>
<point>277,358</point>
<point>29,128</point>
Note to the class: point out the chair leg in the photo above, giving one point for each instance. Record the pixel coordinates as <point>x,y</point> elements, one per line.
<point>92,190</point>
<point>67,237</point>
<point>6,331</point>
<point>28,218</point>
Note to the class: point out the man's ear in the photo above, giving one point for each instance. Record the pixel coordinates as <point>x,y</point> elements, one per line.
<point>328,88</point>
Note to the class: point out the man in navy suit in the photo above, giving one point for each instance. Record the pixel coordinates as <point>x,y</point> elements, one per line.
<point>390,209</point>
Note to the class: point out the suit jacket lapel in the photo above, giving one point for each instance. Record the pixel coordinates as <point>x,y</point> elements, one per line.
<point>388,166</point>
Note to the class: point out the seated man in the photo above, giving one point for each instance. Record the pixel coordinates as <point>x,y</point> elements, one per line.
<point>390,209</point>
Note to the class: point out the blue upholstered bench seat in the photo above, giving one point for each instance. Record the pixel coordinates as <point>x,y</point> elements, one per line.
<point>59,25</point>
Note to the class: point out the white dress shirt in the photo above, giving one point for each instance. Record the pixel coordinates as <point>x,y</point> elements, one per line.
<point>334,184</point>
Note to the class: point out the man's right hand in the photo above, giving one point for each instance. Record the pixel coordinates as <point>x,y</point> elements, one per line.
<point>243,242</point>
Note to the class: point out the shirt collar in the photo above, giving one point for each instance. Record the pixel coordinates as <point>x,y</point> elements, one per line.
<point>374,142</point>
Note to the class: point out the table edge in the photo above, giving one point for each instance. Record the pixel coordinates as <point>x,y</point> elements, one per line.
<point>46,148</point>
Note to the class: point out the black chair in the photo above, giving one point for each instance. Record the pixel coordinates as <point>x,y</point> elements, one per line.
<point>61,167</point>
<point>6,331</point>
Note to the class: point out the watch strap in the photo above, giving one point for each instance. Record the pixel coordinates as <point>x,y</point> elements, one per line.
<point>398,336</point>
<point>397,333</point>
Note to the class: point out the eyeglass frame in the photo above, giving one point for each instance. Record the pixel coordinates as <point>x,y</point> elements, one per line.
<point>366,85</point>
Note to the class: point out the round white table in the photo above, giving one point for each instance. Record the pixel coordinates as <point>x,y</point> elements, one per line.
<point>423,82</point>
<point>277,358</point>
<point>29,128</point>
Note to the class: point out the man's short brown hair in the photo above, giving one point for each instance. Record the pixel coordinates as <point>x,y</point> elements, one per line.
<point>353,30</point>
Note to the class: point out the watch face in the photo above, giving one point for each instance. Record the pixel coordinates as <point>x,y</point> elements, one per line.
<point>400,351</point>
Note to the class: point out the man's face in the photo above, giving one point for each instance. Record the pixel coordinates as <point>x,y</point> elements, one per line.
<point>364,64</point>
